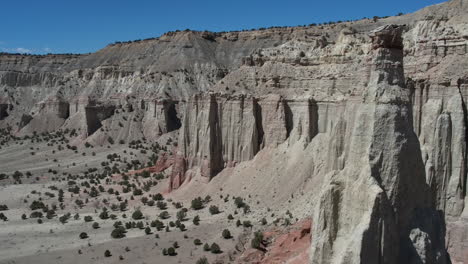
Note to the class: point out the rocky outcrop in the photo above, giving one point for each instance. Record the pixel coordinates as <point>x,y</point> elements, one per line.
<point>219,131</point>
<point>4,108</point>
<point>216,132</point>
<point>368,212</point>
<point>161,117</point>
<point>275,120</point>
<point>95,114</point>
<point>332,90</point>
<point>200,135</point>
<point>48,116</point>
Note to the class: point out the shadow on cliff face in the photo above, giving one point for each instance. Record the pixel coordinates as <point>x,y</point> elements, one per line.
<point>288,118</point>
<point>259,127</point>
<point>172,120</point>
<point>95,115</point>
<point>426,238</point>
<point>314,117</point>
<point>400,223</point>
<point>25,119</point>
<point>216,162</point>
<point>3,111</point>
<point>460,82</point>
<point>397,166</point>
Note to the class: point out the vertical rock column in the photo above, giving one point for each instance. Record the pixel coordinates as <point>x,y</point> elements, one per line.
<point>200,142</point>
<point>240,133</point>
<point>160,117</point>
<point>220,130</point>
<point>50,115</point>
<point>378,208</point>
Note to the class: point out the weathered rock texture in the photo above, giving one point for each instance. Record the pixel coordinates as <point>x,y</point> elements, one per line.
<point>160,117</point>
<point>219,131</point>
<point>394,149</point>
<point>369,212</point>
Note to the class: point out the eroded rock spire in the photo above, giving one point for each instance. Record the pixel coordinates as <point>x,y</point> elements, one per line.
<point>378,208</point>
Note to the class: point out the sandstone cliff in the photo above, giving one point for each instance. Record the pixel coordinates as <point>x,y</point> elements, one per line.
<point>369,212</point>
<point>380,120</point>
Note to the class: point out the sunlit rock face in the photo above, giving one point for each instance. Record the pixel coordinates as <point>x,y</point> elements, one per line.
<point>368,211</point>
<point>382,108</point>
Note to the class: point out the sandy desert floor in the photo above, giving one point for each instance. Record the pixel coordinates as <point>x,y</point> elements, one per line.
<point>45,168</point>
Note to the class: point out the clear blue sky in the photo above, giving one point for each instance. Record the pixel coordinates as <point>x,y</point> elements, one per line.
<point>65,26</point>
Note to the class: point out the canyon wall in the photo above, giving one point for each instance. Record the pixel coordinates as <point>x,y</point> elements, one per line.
<point>389,113</point>
<point>368,210</point>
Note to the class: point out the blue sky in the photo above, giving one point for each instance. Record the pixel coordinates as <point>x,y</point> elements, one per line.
<point>65,26</point>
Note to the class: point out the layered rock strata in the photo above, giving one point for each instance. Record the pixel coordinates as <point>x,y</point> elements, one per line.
<point>48,116</point>
<point>220,131</point>
<point>331,89</point>
<point>161,117</point>
<point>368,211</point>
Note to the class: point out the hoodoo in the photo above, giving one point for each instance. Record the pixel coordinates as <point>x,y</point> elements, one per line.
<point>333,143</point>
<point>368,211</point>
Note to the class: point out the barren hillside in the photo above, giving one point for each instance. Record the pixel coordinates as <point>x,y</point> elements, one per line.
<point>356,128</point>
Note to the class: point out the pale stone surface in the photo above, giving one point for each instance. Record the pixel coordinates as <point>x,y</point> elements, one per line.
<point>368,206</point>
<point>329,103</point>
